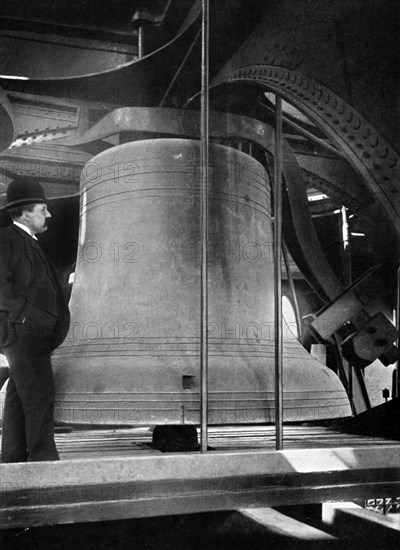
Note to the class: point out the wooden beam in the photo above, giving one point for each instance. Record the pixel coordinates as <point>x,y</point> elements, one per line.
<point>41,493</point>
<point>278,524</point>
<point>353,521</point>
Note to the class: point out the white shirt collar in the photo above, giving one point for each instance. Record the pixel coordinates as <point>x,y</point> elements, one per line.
<point>25,228</point>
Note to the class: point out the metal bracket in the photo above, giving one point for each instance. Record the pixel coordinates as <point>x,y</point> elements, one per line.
<point>372,338</point>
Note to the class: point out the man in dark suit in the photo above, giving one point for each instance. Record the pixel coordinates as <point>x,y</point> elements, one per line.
<point>34,320</point>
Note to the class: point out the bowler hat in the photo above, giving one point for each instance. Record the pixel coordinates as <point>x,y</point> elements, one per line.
<point>20,193</point>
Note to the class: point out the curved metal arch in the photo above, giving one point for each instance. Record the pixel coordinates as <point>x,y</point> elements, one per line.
<point>136,82</point>
<point>6,122</point>
<point>376,161</point>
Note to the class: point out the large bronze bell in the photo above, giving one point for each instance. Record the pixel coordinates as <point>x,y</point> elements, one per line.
<point>132,354</point>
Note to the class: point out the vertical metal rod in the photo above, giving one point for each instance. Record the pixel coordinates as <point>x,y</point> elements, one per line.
<point>397,373</point>
<point>346,266</point>
<point>140,41</point>
<point>346,252</point>
<point>204,146</point>
<point>278,274</point>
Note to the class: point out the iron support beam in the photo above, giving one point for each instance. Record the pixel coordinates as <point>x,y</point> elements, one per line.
<point>397,373</point>
<point>204,145</point>
<point>278,273</point>
<point>179,69</point>
<point>310,135</point>
<point>346,252</point>
<point>141,41</point>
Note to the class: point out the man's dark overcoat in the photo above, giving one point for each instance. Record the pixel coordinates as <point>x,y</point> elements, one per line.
<point>34,320</point>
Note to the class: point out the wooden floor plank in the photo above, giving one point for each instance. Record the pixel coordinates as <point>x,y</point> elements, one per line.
<point>130,441</point>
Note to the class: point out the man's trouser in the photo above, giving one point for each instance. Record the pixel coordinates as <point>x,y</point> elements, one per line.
<point>28,424</point>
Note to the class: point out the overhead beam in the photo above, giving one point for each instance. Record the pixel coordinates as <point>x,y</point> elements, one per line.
<point>37,25</point>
